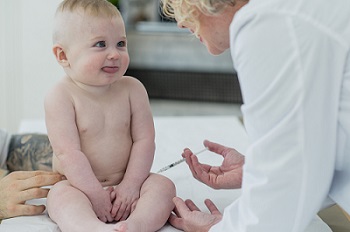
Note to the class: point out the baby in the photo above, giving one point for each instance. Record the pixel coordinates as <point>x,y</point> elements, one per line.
<point>101,128</point>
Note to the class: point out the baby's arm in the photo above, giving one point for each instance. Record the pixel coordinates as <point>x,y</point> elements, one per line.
<point>142,151</point>
<point>64,138</point>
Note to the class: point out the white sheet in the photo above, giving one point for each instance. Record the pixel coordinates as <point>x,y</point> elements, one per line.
<point>173,134</point>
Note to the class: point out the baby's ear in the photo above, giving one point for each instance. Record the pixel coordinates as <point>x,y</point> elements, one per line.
<point>60,55</point>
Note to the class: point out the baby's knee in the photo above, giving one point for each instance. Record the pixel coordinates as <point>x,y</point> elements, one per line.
<point>169,185</point>
<point>164,184</point>
<point>56,196</point>
<point>58,190</point>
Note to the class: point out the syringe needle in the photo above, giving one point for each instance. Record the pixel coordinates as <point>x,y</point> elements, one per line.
<point>179,162</point>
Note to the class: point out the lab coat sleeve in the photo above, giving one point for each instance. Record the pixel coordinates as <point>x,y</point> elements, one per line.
<point>289,165</point>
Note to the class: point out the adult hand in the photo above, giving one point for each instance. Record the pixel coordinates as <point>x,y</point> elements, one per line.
<point>18,187</point>
<point>226,176</point>
<point>189,218</point>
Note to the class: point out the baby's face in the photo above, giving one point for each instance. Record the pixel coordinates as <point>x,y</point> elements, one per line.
<point>96,50</point>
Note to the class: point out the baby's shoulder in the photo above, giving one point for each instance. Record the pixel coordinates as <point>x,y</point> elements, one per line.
<point>62,84</point>
<point>59,90</point>
<point>130,80</point>
<point>131,83</point>
<point>128,84</point>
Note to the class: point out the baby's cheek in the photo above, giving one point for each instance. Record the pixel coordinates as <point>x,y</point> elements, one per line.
<point>91,67</point>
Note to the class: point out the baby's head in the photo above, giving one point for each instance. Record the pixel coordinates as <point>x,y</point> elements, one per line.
<point>69,12</point>
<point>89,36</point>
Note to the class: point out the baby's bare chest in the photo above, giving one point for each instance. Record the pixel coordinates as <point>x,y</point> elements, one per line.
<point>104,128</point>
<point>107,117</point>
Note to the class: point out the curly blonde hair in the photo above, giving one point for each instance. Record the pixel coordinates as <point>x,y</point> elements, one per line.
<point>188,10</point>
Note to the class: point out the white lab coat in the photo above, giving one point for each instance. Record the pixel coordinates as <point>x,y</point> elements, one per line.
<point>293,63</point>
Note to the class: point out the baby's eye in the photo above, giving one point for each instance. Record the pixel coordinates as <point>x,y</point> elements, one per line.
<point>100,44</point>
<point>121,44</point>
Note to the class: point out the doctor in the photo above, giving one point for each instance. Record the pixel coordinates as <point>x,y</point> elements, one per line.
<point>293,62</point>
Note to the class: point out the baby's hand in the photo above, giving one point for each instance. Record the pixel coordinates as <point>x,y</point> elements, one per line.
<point>126,197</point>
<point>102,205</point>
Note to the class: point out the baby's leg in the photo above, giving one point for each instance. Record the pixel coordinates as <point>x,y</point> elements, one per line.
<point>154,206</point>
<point>72,210</point>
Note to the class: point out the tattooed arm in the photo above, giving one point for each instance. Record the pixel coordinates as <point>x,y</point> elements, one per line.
<point>28,152</point>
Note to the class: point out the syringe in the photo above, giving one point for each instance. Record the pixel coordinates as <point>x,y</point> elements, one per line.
<point>179,162</point>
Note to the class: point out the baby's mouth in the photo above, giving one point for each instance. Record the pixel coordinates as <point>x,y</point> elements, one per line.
<point>110,69</point>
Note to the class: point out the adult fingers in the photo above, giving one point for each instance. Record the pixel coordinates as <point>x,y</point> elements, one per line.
<point>215,147</point>
<point>191,205</point>
<point>192,161</point>
<point>26,210</point>
<point>221,150</point>
<point>176,221</point>
<point>197,166</point>
<point>33,193</point>
<point>200,171</point>
<point>212,207</point>
<point>187,152</point>
<point>188,156</point>
<point>176,212</point>
<point>22,175</point>
<point>40,180</point>
<point>181,208</point>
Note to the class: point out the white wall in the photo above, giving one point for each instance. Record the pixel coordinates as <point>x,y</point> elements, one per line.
<point>27,66</point>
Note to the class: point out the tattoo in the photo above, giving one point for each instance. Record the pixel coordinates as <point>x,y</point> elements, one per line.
<point>29,152</point>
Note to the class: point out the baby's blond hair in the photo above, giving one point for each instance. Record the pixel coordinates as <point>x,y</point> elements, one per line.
<point>90,7</point>
<point>95,8</point>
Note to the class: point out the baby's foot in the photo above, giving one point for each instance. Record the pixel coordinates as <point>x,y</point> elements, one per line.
<point>120,227</point>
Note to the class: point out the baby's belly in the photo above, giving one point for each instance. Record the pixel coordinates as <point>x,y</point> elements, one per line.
<point>109,168</point>
<point>110,180</point>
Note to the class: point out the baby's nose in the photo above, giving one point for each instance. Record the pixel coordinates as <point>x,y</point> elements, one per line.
<point>113,54</point>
